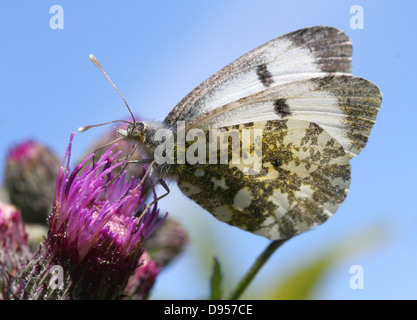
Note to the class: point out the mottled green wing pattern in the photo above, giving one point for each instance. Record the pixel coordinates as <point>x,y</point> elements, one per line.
<point>304,178</point>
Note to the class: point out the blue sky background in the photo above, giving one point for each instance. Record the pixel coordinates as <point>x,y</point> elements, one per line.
<point>156,52</point>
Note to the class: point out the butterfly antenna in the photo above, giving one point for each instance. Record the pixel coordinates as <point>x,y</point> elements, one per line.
<point>82,129</point>
<point>94,60</point>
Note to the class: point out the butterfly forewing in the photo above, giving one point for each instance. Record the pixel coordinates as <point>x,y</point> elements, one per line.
<point>302,54</point>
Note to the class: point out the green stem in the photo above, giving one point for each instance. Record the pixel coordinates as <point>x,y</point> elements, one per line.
<point>250,275</point>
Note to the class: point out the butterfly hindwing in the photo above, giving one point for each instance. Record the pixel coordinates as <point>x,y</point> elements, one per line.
<point>304,177</point>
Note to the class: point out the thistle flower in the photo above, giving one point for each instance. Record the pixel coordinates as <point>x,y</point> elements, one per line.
<point>95,240</point>
<point>30,176</point>
<point>14,252</point>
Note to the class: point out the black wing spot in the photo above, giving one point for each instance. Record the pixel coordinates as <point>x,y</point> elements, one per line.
<point>264,75</point>
<point>276,163</point>
<point>281,108</point>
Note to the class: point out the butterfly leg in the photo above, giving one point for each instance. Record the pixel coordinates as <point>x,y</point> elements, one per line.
<point>102,147</point>
<point>165,186</point>
<point>145,176</point>
<point>142,161</point>
<point>127,162</point>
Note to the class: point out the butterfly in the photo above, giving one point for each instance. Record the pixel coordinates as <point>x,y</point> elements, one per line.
<point>313,115</point>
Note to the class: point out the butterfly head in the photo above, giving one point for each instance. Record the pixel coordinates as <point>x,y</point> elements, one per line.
<point>137,131</point>
<point>141,133</point>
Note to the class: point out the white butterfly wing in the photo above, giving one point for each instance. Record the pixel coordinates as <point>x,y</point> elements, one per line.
<point>302,54</point>
<point>316,117</point>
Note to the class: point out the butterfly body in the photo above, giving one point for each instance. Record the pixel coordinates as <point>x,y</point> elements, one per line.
<point>313,115</point>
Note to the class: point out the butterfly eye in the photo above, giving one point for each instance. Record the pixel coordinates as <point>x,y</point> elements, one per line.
<point>136,130</point>
<point>140,126</point>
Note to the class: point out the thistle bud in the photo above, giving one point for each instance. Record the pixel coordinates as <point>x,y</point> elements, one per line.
<point>14,252</point>
<point>30,176</point>
<point>142,281</point>
<point>167,242</point>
